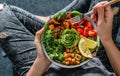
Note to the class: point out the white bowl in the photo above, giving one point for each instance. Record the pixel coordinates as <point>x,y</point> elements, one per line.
<point>70,66</point>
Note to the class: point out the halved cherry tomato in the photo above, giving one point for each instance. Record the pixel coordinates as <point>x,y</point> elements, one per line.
<point>92,33</point>
<point>78,25</point>
<point>86,30</point>
<point>80,31</point>
<point>69,15</point>
<point>88,24</point>
<point>75,26</point>
<point>85,34</point>
<point>82,21</point>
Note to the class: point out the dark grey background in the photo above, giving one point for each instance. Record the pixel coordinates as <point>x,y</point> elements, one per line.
<point>38,7</point>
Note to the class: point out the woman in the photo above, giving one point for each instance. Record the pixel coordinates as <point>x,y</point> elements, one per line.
<point>17,26</point>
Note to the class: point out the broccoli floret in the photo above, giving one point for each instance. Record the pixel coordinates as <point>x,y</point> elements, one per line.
<point>60,49</point>
<point>61,57</point>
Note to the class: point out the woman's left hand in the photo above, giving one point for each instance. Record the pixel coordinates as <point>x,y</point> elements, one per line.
<point>41,63</point>
<point>38,45</point>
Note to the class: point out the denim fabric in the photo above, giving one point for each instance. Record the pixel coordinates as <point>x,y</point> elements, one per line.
<point>19,25</point>
<point>93,68</point>
<point>29,20</point>
<point>19,45</point>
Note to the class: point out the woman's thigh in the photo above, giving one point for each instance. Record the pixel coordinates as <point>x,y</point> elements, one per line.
<point>19,43</point>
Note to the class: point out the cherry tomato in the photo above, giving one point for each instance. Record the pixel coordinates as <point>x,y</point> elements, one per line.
<point>86,30</point>
<point>81,22</point>
<point>69,15</point>
<point>80,31</point>
<point>92,33</point>
<point>84,19</point>
<point>88,24</point>
<point>85,34</point>
<point>75,26</point>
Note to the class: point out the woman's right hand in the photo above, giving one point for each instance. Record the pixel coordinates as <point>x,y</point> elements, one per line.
<point>104,19</point>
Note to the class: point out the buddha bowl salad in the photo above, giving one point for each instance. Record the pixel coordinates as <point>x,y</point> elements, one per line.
<point>67,43</point>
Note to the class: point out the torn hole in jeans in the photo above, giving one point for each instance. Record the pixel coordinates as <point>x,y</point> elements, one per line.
<point>3,35</point>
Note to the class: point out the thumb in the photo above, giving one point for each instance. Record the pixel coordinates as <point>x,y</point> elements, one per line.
<point>100,12</point>
<point>38,42</point>
<point>37,38</point>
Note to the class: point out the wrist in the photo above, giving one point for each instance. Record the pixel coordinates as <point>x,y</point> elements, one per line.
<point>39,67</point>
<point>106,41</point>
<point>44,60</point>
<point>44,64</point>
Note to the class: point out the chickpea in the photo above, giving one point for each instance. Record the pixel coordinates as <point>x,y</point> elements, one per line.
<point>72,55</point>
<point>66,59</point>
<point>78,59</point>
<point>73,60</point>
<point>66,55</point>
<point>67,62</point>
<point>77,62</point>
<point>69,59</point>
<point>63,62</point>
<point>67,50</point>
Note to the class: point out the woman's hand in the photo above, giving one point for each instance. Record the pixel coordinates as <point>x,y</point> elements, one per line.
<point>38,43</point>
<point>39,49</point>
<point>104,19</point>
<point>41,63</point>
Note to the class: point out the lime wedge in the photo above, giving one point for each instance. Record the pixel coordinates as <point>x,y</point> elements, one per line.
<point>84,49</point>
